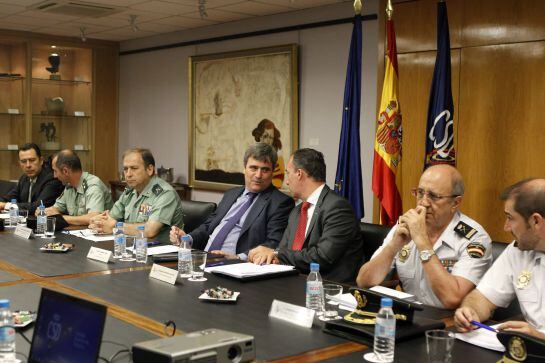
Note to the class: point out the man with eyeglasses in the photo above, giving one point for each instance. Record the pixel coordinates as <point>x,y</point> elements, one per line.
<point>439,254</point>
<point>37,184</point>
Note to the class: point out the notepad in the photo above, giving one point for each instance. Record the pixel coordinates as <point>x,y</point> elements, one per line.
<point>482,338</point>
<point>90,235</point>
<point>244,270</point>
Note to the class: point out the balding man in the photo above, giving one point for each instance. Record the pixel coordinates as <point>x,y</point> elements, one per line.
<point>439,253</point>
<point>519,271</point>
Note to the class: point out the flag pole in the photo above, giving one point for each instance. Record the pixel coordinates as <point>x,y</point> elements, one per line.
<point>389,10</point>
<point>357,7</point>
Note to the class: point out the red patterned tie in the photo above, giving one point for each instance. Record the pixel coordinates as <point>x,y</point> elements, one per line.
<point>301,228</point>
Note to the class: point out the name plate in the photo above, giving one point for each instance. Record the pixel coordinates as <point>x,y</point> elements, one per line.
<point>99,254</point>
<point>23,231</point>
<point>78,147</point>
<point>79,113</point>
<point>164,274</point>
<point>13,147</point>
<point>293,314</point>
<point>13,111</point>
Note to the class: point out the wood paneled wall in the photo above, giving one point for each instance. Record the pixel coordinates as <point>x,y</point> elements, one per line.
<point>498,80</point>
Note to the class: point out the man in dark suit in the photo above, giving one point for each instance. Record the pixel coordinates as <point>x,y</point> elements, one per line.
<point>248,216</point>
<point>322,229</point>
<point>36,185</point>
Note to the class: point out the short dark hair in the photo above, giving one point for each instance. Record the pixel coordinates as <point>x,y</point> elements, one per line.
<point>69,159</point>
<point>261,152</point>
<point>312,162</point>
<point>528,197</point>
<point>146,155</point>
<point>29,146</point>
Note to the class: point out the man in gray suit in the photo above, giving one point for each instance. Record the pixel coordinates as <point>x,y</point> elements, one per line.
<point>322,229</point>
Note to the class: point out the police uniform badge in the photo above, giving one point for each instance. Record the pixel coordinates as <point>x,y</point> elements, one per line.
<point>476,249</point>
<point>404,253</point>
<point>145,209</point>
<point>157,189</point>
<point>524,279</point>
<point>465,230</point>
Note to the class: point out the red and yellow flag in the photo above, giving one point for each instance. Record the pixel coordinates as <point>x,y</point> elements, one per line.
<point>388,141</point>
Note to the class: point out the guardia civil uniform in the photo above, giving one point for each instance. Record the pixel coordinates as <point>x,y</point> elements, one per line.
<point>519,274</point>
<point>90,195</point>
<point>464,249</point>
<point>157,202</point>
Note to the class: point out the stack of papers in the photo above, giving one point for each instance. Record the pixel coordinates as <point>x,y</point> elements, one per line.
<point>482,338</point>
<point>159,250</point>
<point>394,293</point>
<point>242,270</point>
<point>91,235</point>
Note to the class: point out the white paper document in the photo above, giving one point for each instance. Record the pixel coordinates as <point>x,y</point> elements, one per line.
<point>159,250</point>
<point>482,338</point>
<point>346,301</point>
<point>391,292</point>
<point>248,269</point>
<point>91,235</point>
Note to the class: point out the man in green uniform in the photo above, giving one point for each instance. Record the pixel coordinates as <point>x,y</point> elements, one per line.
<point>84,196</point>
<point>147,200</point>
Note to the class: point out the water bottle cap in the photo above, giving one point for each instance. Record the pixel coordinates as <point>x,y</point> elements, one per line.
<point>386,302</point>
<point>314,266</point>
<point>4,303</point>
<point>119,224</point>
<point>14,201</point>
<point>140,228</point>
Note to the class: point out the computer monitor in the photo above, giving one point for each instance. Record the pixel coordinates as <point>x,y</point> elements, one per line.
<point>68,329</point>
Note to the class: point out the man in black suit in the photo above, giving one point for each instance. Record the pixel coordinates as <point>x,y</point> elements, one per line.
<point>248,216</point>
<point>322,229</point>
<point>36,185</point>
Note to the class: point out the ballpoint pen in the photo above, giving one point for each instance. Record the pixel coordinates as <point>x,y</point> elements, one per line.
<point>480,325</point>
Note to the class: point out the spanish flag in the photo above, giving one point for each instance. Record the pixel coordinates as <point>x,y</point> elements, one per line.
<point>387,155</point>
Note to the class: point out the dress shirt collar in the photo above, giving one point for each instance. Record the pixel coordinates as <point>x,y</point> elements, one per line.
<point>313,198</point>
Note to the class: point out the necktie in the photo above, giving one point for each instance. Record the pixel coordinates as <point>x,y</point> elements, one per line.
<point>30,191</point>
<point>299,239</point>
<point>231,222</point>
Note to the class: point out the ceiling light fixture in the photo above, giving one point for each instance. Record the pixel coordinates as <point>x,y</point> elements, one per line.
<point>202,9</point>
<point>132,22</point>
<point>82,34</point>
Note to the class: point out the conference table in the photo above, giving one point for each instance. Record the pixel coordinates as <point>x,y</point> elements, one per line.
<point>138,306</point>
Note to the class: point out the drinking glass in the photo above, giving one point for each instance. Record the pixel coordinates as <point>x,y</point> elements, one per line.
<point>198,262</point>
<point>330,307</point>
<point>50,227</point>
<point>127,254</point>
<point>439,345</point>
<point>23,215</point>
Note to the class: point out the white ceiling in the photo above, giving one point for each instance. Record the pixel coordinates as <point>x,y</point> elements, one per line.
<point>153,16</point>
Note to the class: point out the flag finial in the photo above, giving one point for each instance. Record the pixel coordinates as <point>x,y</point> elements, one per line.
<point>389,9</point>
<point>357,7</point>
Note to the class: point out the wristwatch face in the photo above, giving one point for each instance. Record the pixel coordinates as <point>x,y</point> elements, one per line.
<point>426,254</point>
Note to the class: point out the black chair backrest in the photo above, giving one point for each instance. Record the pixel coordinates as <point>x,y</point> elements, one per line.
<point>195,213</point>
<point>497,249</point>
<point>373,235</point>
<point>6,186</point>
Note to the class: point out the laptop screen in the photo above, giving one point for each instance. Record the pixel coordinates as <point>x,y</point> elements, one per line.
<point>68,329</point>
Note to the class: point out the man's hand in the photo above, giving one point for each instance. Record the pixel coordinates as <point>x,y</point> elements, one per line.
<point>51,211</point>
<point>228,256</point>
<point>175,234</point>
<point>262,255</point>
<point>402,236</point>
<point>2,205</point>
<point>415,220</point>
<point>463,317</point>
<point>521,327</point>
<point>102,223</point>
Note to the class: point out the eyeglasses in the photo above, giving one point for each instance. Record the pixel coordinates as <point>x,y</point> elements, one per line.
<point>420,193</point>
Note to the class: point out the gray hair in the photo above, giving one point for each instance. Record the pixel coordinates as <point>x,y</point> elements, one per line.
<point>261,152</point>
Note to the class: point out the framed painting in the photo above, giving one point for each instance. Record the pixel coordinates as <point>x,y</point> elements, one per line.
<point>237,99</point>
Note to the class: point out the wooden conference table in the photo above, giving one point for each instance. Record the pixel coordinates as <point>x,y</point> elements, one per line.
<point>138,305</point>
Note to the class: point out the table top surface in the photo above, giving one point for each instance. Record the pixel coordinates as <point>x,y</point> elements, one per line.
<point>138,305</point>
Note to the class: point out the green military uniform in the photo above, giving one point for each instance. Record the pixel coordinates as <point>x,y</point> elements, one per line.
<point>157,202</point>
<point>91,195</point>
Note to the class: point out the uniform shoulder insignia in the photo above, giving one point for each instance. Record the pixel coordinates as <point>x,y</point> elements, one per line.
<point>157,189</point>
<point>465,230</point>
<point>84,185</point>
<point>476,249</point>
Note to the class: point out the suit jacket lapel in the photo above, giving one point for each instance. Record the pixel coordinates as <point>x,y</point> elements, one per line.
<point>256,209</point>
<point>314,216</point>
<point>231,198</point>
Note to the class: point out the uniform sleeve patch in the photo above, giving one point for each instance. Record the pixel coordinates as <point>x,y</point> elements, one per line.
<point>157,189</point>
<point>465,230</point>
<point>476,250</point>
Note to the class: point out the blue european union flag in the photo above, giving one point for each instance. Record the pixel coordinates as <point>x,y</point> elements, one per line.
<point>440,125</point>
<point>348,178</point>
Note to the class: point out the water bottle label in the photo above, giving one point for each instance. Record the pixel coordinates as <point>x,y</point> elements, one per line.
<point>385,328</point>
<point>184,254</point>
<point>314,288</point>
<point>7,334</point>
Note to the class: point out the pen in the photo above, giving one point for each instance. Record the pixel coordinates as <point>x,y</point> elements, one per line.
<point>480,325</point>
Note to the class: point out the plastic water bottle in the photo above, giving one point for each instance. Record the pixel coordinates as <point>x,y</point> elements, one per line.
<point>385,332</point>
<point>141,246</point>
<point>184,257</point>
<point>13,213</point>
<point>120,242</point>
<point>41,220</point>
<point>315,289</point>
<point>7,333</point>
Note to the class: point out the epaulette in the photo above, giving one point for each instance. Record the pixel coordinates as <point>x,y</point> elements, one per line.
<point>157,189</point>
<point>465,230</point>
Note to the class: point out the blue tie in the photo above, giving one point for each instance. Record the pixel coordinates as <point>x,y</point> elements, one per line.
<point>217,244</point>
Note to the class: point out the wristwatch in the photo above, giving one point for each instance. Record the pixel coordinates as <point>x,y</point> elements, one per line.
<point>425,255</point>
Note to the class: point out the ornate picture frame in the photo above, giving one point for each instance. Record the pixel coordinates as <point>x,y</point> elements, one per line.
<point>236,99</point>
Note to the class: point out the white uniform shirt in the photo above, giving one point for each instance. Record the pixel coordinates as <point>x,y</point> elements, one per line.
<point>521,274</point>
<point>451,249</point>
